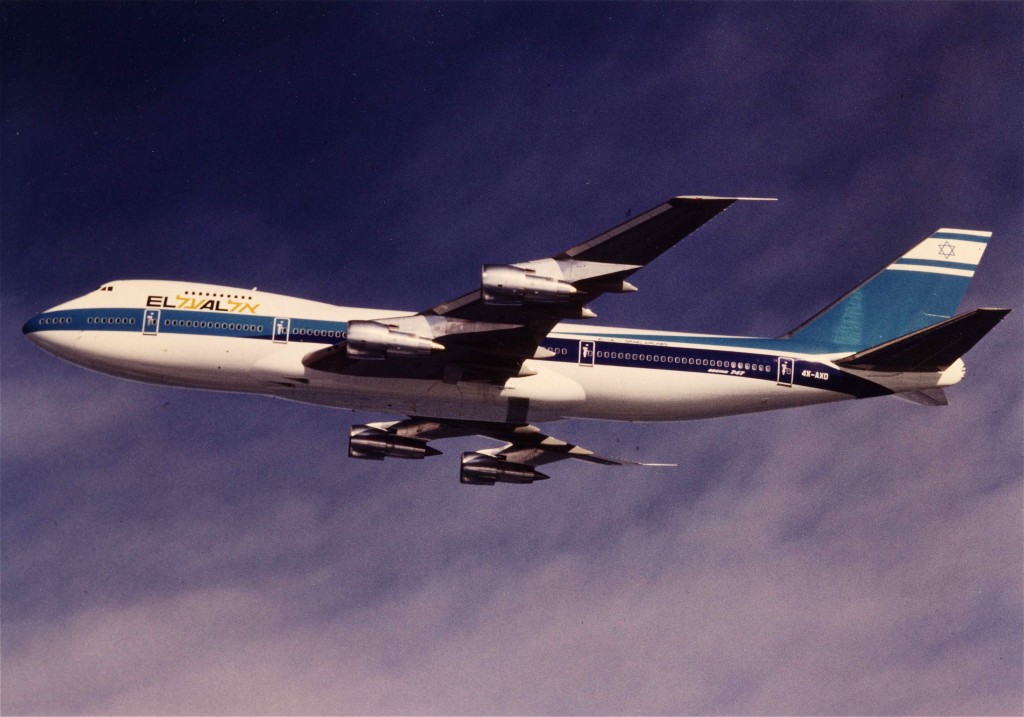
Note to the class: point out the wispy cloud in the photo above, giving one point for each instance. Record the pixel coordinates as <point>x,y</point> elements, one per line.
<point>797,576</point>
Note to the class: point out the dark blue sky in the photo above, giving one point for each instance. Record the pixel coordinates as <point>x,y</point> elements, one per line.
<point>166,551</point>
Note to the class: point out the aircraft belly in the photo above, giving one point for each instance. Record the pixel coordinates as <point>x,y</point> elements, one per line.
<point>470,401</point>
<point>565,391</point>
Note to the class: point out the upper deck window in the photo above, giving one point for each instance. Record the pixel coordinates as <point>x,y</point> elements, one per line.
<point>214,294</point>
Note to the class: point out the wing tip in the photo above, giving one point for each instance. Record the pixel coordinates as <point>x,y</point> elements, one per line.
<point>730,199</point>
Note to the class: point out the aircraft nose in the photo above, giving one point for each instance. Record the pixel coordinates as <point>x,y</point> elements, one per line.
<point>49,330</point>
<point>32,326</point>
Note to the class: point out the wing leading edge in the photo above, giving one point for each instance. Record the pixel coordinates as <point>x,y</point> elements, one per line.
<point>487,334</point>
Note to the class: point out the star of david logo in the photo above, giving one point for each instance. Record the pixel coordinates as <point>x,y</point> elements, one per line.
<point>946,250</point>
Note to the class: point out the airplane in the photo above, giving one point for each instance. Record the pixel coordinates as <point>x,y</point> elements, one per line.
<point>503,357</point>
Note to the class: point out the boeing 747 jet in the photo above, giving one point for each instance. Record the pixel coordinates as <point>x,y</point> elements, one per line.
<point>498,360</point>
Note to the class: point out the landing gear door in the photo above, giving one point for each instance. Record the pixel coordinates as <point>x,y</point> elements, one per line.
<point>785,371</point>
<point>281,327</point>
<point>586,353</point>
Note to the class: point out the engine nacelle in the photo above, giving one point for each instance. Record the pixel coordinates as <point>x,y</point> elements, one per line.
<point>504,283</point>
<point>372,443</point>
<point>482,469</point>
<point>374,340</point>
<point>552,280</point>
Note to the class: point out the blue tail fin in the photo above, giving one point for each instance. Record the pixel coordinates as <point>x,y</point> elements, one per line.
<point>921,288</point>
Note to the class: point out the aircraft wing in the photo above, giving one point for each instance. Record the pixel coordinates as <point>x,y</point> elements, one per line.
<point>525,447</point>
<point>487,334</point>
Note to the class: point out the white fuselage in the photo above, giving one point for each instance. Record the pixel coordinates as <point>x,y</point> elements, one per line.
<point>229,339</point>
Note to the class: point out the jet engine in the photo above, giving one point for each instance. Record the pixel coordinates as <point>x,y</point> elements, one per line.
<point>374,444</point>
<point>552,280</point>
<point>483,469</point>
<point>515,284</point>
<point>374,340</point>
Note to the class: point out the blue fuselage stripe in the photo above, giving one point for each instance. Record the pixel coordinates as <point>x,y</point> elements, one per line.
<point>195,323</point>
<point>713,358</point>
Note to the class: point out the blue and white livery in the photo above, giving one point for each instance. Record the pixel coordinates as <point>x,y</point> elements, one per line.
<point>503,357</point>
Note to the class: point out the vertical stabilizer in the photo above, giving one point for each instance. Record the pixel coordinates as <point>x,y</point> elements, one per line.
<point>921,288</point>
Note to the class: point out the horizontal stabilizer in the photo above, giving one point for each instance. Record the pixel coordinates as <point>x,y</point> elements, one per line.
<point>925,397</point>
<point>933,348</point>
